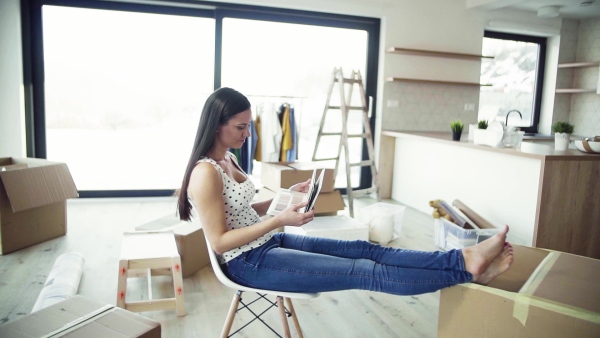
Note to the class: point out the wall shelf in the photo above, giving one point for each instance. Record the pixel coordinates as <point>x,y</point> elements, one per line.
<point>401,79</point>
<point>578,64</point>
<point>420,52</point>
<point>575,91</point>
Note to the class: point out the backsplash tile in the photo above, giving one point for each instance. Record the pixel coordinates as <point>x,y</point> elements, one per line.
<point>428,107</point>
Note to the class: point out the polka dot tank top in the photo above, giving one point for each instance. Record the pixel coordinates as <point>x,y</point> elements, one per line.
<point>238,211</point>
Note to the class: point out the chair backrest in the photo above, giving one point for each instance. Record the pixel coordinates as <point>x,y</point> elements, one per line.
<point>214,262</point>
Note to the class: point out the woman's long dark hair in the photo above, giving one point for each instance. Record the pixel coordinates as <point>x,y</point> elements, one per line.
<point>220,106</point>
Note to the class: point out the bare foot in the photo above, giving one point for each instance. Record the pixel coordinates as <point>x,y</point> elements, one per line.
<point>498,266</point>
<point>480,256</point>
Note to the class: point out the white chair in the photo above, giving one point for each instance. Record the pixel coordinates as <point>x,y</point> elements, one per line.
<point>237,299</point>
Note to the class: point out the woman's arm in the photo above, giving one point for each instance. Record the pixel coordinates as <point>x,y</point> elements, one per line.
<point>206,189</point>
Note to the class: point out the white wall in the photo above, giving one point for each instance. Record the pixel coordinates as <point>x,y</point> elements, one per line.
<point>11,81</point>
<point>442,25</point>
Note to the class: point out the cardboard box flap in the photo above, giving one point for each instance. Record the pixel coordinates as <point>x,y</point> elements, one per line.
<point>525,263</point>
<point>567,279</point>
<point>81,317</point>
<point>37,186</point>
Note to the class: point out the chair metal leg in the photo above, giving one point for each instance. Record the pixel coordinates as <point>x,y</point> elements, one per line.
<point>231,315</point>
<point>284,322</point>
<point>290,306</point>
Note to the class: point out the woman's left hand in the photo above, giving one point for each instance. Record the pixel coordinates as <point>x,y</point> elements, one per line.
<point>301,187</point>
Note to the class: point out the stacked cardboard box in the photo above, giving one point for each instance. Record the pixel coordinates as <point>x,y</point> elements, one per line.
<point>276,175</point>
<point>33,207</point>
<point>81,317</point>
<point>544,294</point>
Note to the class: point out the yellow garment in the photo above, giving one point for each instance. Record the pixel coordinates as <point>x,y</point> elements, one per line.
<point>286,127</point>
<point>258,151</point>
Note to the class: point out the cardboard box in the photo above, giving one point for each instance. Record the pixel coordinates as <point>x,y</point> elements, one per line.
<point>544,294</point>
<point>336,227</point>
<point>189,237</point>
<point>327,204</point>
<point>82,317</point>
<point>33,208</point>
<point>275,175</point>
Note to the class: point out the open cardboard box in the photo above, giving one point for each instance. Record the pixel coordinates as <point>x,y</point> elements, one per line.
<point>544,294</point>
<point>275,175</point>
<point>189,238</point>
<point>82,317</point>
<point>327,204</point>
<point>33,207</point>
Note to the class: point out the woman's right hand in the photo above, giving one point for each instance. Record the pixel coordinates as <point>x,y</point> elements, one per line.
<point>291,217</point>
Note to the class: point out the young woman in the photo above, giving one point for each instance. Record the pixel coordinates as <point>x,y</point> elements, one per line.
<point>251,253</point>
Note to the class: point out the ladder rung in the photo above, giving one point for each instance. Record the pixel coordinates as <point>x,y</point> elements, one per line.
<point>364,191</point>
<point>326,159</point>
<point>348,80</point>
<point>363,135</point>
<point>349,108</point>
<point>362,164</point>
<point>332,134</point>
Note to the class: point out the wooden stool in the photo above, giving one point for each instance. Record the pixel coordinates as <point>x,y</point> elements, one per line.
<point>144,254</point>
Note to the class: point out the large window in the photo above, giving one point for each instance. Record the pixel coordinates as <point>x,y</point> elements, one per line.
<point>116,89</point>
<point>516,75</point>
<point>293,64</point>
<point>122,99</point>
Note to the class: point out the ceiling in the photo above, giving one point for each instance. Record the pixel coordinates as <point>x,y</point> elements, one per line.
<point>573,9</point>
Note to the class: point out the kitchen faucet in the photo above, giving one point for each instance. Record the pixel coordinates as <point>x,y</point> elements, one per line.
<point>512,111</point>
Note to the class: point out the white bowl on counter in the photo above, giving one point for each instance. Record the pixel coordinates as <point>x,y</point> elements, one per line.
<point>594,146</point>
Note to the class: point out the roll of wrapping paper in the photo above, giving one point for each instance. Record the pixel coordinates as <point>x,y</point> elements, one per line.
<point>473,216</point>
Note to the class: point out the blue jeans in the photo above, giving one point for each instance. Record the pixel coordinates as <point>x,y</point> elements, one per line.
<point>297,263</point>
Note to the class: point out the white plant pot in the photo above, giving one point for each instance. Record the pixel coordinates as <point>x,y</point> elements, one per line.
<point>561,141</point>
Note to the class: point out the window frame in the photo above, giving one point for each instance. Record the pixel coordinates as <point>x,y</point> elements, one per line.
<point>540,70</point>
<point>33,60</point>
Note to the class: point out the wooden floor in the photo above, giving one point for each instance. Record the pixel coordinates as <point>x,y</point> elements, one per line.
<point>95,228</point>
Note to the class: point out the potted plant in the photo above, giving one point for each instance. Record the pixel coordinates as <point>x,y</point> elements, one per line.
<point>457,128</point>
<point>562,133</point>
<point>482,124</point>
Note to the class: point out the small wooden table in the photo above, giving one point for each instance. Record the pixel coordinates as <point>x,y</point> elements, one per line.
<point>144,254</point>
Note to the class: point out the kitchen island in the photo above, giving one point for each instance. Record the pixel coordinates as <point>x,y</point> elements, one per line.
<point>550,199</point>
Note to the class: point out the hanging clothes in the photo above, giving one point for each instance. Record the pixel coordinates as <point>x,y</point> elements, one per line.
<point>246,151</point>
<point>286,128</point>
<point>292,153</point>
<point>258,152</point>
<point>249,149</point>
<point>269,136</point>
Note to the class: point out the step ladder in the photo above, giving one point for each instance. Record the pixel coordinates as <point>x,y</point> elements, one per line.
<point>346,87</point>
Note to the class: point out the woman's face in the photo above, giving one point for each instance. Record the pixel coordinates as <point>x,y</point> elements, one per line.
<point>233,133</point>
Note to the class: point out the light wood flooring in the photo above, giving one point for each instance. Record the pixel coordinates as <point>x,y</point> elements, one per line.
<point>95,228</point>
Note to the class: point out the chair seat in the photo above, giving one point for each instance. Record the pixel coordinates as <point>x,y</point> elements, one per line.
<point>231,284</point>
<point>280,297</point>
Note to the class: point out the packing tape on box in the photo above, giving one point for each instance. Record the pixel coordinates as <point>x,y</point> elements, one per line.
<point>521,301</point>
<point>81,321</point>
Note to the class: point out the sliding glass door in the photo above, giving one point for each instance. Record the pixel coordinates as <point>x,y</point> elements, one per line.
<point>293,64</point>
<point>123,94</point>
<point>116,89</point>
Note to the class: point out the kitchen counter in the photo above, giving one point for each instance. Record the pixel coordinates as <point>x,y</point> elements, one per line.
<point>534,149</point>
<point>549,198</point>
